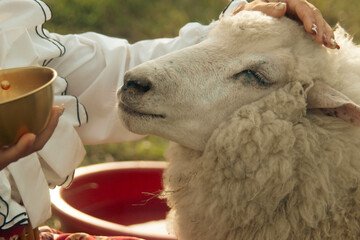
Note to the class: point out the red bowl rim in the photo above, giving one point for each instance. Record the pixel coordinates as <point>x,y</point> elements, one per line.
<point>61,206</point>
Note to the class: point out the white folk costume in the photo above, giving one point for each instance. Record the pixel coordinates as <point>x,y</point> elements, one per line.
<point>90,67</point>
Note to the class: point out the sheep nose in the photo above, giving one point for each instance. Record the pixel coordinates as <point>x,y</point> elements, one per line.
<point>136,84</point>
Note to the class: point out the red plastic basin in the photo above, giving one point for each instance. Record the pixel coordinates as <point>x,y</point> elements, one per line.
<point>109,199</point>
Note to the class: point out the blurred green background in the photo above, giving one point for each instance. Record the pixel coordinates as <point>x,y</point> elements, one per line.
<point>140,19</point>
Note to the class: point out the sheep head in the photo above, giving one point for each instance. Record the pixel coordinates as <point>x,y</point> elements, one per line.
<point>185,95</point>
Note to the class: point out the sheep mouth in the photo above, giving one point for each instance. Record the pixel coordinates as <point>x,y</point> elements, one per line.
<point>134,112</point>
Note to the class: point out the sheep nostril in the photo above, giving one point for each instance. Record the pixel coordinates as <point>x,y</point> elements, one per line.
<point>138,85</point>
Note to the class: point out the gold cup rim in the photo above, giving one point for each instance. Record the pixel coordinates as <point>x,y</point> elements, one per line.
<point>35,90</point>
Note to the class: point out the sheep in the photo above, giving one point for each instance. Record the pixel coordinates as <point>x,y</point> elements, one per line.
<point>265,129</point>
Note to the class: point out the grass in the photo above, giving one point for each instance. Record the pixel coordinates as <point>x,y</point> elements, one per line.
<point>139,19</point>
<point>131,19</point>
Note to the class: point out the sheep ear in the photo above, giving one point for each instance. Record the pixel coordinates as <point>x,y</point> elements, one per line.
<point>324,99</point>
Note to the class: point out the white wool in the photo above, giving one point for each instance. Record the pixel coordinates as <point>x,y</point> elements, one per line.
<point>273,170</point>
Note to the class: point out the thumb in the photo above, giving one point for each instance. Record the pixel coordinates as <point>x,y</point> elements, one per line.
<point>273,9</point>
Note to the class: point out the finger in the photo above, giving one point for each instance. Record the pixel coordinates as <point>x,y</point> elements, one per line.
<point>325,34</point>
<point>24,145</point>
<point>273,9</point>
<point>20,149</point>
<point>320,22</point>
<point>308,15</point>
<point>313,21</point>
<point>310,25</point>
<point>45,134</point>
<point>329,38</point>
<point>315,24</point>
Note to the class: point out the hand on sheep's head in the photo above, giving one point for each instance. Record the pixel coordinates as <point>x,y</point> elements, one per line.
<point>301,10</point>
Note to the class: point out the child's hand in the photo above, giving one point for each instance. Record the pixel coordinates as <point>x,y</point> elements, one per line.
<point>30,143</point>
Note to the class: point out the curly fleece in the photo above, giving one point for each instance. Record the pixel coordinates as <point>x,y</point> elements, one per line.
<point>273,170</point>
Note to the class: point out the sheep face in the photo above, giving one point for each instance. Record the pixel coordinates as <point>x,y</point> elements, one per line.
<point>183,96</point>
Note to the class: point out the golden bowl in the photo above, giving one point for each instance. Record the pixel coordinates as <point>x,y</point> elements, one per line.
<point>26,99</point>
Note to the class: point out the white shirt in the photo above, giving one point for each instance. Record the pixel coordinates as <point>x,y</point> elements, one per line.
<point>90,67</point>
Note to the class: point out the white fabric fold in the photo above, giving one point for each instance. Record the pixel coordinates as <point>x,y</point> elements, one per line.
<point>33,187</point>
<point>56,160</point>
<point>11,212</point>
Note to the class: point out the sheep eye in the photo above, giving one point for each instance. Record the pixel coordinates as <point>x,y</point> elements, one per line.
<point>251,77</point>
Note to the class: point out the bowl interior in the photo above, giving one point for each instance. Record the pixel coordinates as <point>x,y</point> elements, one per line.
<point>24,81</point>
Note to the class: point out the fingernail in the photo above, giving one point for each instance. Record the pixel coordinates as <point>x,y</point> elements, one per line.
<point>334,43</point>
<point>314,28</point>
<point>280,6</point>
